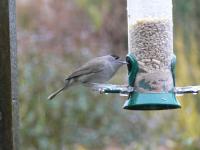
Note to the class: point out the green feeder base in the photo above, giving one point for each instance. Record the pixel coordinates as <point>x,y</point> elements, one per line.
<point>151,101</point>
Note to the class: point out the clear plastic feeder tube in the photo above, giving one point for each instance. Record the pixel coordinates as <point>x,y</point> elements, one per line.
<point>150,37</point>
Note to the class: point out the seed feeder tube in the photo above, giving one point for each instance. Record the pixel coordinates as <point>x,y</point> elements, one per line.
<point>151,59</point>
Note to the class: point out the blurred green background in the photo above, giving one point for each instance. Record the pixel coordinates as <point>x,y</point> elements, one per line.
<point>56,36</point>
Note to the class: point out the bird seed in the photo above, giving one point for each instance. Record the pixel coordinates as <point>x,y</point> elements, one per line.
<point>151,43</point>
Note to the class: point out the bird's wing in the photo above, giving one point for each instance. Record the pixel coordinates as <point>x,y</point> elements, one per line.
<point>86,69</point>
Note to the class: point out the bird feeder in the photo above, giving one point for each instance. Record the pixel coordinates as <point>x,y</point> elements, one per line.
<point>151,58</point>
<point>151,61</point>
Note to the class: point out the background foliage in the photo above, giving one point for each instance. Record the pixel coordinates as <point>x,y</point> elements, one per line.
<point>56,36</point>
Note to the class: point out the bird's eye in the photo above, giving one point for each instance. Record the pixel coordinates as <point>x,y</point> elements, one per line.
<point>115,56</point>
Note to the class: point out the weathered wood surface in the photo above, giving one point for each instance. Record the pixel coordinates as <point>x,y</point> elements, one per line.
<point>9,138</point>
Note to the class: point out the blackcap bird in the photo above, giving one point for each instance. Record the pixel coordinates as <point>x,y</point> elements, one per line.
<point>97,70</point>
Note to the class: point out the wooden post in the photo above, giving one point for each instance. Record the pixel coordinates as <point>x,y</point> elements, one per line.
<point>9,138</point>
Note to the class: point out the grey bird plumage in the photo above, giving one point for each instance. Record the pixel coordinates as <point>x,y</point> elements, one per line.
<point>97,70</point>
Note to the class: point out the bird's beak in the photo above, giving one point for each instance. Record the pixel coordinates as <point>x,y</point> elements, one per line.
<point>122,62</point>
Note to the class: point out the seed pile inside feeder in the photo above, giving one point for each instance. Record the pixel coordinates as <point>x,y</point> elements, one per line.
<point>151,43</point>
<point>150,40</point>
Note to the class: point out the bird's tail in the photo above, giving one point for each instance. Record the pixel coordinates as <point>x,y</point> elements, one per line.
<point>56,93</point>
